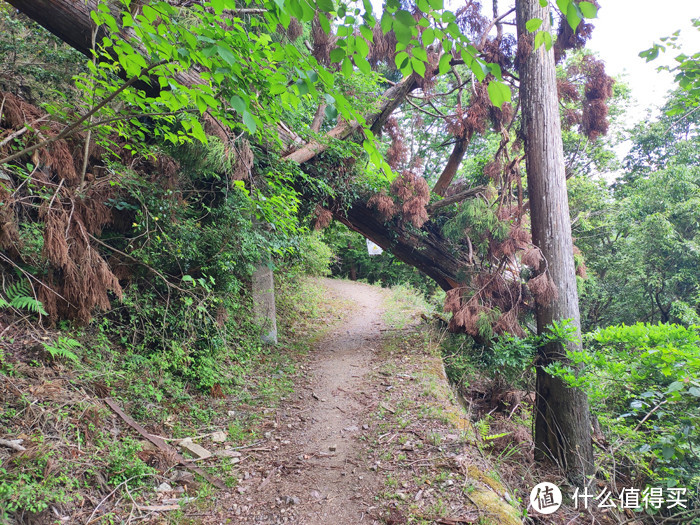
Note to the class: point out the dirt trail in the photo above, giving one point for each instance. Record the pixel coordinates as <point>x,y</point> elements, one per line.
<point>314,473</point>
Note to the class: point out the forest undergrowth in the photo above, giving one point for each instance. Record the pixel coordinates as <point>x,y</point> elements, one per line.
<point>73,458</point>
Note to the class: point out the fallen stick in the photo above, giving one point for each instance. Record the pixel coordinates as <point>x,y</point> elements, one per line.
<point>14,444</point>
<point>162,445</point>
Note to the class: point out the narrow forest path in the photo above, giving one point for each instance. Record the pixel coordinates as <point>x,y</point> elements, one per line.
<point>371,434</point>
<point>313,473</point>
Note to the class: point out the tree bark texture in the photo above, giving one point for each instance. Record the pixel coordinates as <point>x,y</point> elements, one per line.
<point>448,174</point>
<point>425,249</point>
<point>264,311</point>
<point>562,428</point>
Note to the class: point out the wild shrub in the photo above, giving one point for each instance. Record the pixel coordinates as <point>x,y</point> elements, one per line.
<point>643,383</point>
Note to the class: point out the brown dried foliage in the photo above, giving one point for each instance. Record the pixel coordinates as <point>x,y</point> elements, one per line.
<point>567,90</point>
<point>597,91</point>
<point>78,278</point>
<point>322,217</point>
<point>532,257</point>
<point>397,154</point>
<point>470,20</point>
<point>543,289</point>
<point>508,323</point>
<point>383,204</point>
<point>322,41</point>
<point>567,39</point>
<point>382,48</point>
<point>295,29</point>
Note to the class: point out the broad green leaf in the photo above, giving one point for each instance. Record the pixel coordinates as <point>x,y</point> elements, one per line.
<point>444,66</point>
<point>543,3</point>
<point>331,112</point>
<point>420,54</point>
<point>386,22</point>
<point>337,54</point>
<point>237,104</point>
<point>533,25</point>
<point>499,93</point>
<point>588,9</point>
<point>418,66</point>
<point>495,70</point>
<point>226,54</point>
<point>436,4</point>
<point>572,16</point>
<point>539,39</point>
<point>423,5</point>
<point>325,5</point>
<point>403,33</point>
<point>302,87</point>
<point>366,32</point>
<point>362,64</point>
<point>400,59</point>
<point>362,47</point>
<point>218,6</point>
<point>249,121</point>
<point>324,23</point>
<point>428,36</point>
<point>405,18</point>
<point>346,68</point>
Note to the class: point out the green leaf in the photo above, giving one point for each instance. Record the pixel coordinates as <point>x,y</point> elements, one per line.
<point>346,68</point>
<point>418,66</point>
<point>218,6</point>
<point>386,22</point>
<point>675,387</point>
<point>444,66</point>
<point>237,104</point>
<point>331,112</point>
<point>539,39</point>
<point>499,93</point>
<point>436,4</point>
<point>366,32</point>
<point>668,452</point>
<point>337,54</point>
<point>249,121</point>
<point>533,24</point>
<point>403,33</point>
<point>226,54</point>
<point>543,3</point>
<point>588,9</point>
<point>573,16</point>
<point>362,64</point>
<point>405,18</point>
<point>694,391</point>
<point>428,36</point>
<point>362,47</point>
<point>325,5</point>
<point>420,54</point>
<point>400,59</point>
<point>325,24</point>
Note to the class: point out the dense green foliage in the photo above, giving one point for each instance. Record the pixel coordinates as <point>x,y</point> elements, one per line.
<point>643,383</point>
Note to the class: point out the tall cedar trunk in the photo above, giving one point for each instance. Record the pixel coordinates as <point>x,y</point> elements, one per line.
<point>562,428</point>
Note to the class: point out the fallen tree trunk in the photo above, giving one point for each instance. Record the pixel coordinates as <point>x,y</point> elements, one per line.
<point>425,249</point>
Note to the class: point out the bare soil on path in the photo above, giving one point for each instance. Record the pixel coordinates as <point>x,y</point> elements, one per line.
<point>311,470</point>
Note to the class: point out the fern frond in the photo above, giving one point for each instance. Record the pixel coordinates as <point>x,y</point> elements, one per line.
<point>61,348</point>
<point>18,289</point>
<point>3,303</point>
<point>28,303</point>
